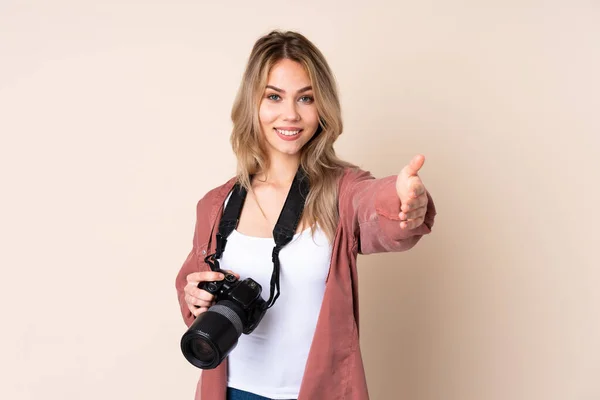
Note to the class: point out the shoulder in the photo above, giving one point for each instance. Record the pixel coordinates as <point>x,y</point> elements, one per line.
<point>350,177</point>
<point>214,197</point>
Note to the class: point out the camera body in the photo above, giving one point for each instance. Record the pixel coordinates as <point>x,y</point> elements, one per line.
<point>245,294</point>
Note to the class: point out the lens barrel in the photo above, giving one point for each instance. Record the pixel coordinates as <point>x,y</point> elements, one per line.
<point>213,335</point>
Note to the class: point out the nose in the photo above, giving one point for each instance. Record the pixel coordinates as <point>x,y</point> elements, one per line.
<point>291,111</point>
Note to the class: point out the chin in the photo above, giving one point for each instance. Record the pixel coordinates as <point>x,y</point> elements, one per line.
<point>290,152</point>
<point>279,146</point>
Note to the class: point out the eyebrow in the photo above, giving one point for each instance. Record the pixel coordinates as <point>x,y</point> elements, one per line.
<point>304,89</point>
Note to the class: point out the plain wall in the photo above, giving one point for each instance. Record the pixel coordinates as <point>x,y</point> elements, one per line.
<point>114,121</point>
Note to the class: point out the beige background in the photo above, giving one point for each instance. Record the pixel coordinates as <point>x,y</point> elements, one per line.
<point>115,120</point>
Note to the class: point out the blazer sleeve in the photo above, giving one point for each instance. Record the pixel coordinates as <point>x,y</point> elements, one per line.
<point>373,207</point>
<point>193,263</point>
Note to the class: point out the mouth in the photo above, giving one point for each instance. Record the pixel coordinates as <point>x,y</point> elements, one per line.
<point>289,133</point>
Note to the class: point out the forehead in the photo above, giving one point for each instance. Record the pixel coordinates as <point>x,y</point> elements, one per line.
<point>288,74</point>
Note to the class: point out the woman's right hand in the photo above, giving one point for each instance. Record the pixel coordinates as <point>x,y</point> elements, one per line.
<point>199,300</point>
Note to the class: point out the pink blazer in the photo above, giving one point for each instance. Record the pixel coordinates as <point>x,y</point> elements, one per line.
<point>369,223</point>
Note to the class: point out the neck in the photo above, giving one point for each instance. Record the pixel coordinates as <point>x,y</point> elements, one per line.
<point>282,170</point>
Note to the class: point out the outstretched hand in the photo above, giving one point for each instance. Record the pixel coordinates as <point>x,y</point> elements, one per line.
<point>412,194</point>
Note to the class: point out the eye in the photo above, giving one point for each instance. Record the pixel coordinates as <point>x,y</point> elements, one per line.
<point>274,97</point>
<point>307,99</point>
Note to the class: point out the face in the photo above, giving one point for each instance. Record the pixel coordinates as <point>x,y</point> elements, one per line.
<point>288,113</point>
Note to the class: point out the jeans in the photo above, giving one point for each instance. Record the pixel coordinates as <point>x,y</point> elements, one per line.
<point>236,394</point>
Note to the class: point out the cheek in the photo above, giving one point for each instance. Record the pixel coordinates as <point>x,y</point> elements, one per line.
<point>311,116</point>
<point>267,114</point>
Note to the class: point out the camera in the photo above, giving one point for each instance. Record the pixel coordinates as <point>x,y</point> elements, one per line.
<point>238,309</point>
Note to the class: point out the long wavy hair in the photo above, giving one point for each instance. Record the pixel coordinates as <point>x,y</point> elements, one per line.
<point>318,157</point>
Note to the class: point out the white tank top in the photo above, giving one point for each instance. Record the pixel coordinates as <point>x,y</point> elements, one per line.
<point>270,361</point>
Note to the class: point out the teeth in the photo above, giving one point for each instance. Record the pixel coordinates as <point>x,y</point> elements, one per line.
<point>287,133</point>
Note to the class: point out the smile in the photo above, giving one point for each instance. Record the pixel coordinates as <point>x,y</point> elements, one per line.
<point>288,133</point>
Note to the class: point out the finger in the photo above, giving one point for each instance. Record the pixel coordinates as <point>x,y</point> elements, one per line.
<point>412,223</point>
<point>199,311</point>
<point>201,294</point>
<point>192,308</point>
<point>205,276</point>
<point>197,300</point>
<point>419,212</point>
<point>194,301</point>
<point>414,204</point>
<point>192,289</point>
<point>413,167</point>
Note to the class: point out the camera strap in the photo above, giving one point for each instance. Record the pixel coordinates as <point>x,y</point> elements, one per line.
<point>283,233</point>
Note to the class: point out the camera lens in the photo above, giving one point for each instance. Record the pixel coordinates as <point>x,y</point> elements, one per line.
<point>202,350</point>
<point>215,332</point>
<point>213,335</point>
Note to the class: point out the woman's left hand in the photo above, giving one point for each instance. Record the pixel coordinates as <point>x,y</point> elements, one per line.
<point>412,194</point>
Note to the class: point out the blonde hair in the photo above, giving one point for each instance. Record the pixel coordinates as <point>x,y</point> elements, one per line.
<point>318,157</point>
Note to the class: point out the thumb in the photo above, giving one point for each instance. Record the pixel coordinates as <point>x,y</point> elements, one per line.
<point>412,169</point>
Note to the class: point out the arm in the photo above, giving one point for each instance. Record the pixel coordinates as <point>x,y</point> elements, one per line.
<point>374,207</point>
<point>193,263</point>
<point>190,265</point>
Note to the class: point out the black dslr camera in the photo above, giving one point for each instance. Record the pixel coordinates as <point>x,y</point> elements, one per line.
<point>238,309</point>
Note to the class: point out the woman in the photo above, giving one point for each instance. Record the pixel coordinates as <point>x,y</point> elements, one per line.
<point>287,115</point>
